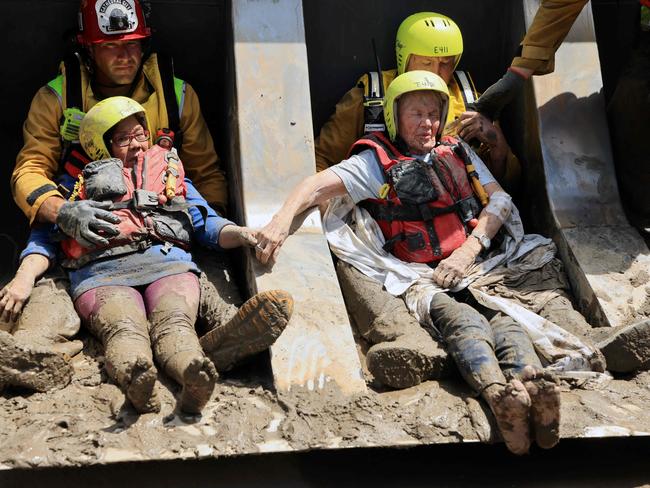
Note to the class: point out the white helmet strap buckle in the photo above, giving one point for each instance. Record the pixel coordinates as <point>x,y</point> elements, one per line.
<point>116,16</point>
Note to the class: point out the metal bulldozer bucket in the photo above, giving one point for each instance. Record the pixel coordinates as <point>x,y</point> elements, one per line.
<point>287,63</point>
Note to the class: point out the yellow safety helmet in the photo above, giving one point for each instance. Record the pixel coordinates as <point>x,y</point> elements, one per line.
<point>101,118</point>
<point>410,82</point>
<point>427,34</point>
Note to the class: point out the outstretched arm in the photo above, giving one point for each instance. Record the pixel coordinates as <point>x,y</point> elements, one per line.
<point>311,191</point>
<point>14,295</point>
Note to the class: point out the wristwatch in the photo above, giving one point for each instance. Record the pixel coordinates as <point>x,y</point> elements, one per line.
<point>483,240</point>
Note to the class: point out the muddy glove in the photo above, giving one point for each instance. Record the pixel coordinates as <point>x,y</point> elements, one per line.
<point>498,95</point>
<point>85,219</point>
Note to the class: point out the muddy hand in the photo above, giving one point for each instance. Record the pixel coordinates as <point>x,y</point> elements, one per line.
<point>86,221</point>
<point>473,125</point>
<point>270,239</point>
<point>13,297</point>
<point>451,271</point>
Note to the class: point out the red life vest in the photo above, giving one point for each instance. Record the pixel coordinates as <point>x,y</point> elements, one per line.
<point>146,214</point>
<point>425,213</point>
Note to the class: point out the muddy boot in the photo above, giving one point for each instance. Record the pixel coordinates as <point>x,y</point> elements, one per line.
<point>255,327</point>
<point>409,360</point>
<point>625,348</point>
<point>33,368</point>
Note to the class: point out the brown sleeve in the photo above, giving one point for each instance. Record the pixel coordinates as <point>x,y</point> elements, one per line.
<point>37,162</point>
<point>342,129</point>
<point>550,26</point>
<point>199,157</point>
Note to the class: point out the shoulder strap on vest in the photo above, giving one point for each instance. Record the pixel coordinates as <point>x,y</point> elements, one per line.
<point>174,94</point>
<point>72,82</point>
<point>387,154</point>
<point>466,85</point>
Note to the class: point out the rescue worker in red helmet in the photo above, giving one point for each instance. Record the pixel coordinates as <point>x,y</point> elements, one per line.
<point>414,186</point>
<point>113,59</point>
<point>138,289</point>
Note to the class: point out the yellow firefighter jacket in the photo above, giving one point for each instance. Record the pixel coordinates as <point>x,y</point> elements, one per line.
<point>37,163</point>
<point>345,126</point>
<point>550,26</point>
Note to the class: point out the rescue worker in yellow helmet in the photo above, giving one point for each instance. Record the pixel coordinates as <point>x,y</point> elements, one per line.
<point>427,41</point>
<point>416,104</point>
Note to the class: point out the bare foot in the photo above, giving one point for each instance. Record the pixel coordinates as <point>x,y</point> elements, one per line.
<point>510,405</point>
<point>140,388</point>
<point>545,409</point>
<point>198,383</point>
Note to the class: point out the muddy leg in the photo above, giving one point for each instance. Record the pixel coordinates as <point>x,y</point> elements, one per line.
<point>26,366</point>
<point>518,360</point>
<point>470,341</point>
<point>403,353</point>
<point>49,319</point>
<point>560,311</point>
<point>115,315</point>
<point>172,305</point>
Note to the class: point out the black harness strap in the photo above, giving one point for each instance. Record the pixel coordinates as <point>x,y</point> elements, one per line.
<point>72,82</point>
<point>404,213</point>
<point>166,68</point>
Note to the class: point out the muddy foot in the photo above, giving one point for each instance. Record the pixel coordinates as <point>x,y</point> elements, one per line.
<point>198,383</point>
<point>545,406</point>
<point>626,348</point>
<point>33,368</point>
<point>402,365</point>
<point>140,388</point>
<point>255,327</point>
<point>510,405</point>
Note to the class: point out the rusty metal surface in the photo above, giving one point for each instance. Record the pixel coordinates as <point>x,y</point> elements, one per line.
<point>602,253</point>
<point>275,152</point>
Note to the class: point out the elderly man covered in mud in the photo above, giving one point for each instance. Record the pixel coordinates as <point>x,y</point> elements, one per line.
<point>417,220</point>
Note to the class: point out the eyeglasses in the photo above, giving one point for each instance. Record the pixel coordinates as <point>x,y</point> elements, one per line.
<point>125,139</point>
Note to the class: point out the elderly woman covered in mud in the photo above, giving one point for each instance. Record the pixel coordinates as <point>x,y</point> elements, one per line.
<point>124,237</point>
<point>423,212</point>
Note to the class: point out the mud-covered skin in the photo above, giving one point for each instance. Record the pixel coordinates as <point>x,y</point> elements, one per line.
<point>26,366</point>
<point>510,405</point>
<point>403,353</point>
<point>542,388</point>
<point>48,319</point>
<point>253,329</point>
<point>175,343</point>
<point>484,352</point>
<point>116,316</point>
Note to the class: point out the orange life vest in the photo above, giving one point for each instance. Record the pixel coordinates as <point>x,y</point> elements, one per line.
<point>146,213</point>
<point>426,211</point>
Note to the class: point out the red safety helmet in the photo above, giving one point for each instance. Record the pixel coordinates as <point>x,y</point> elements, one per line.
<point>111,20</point>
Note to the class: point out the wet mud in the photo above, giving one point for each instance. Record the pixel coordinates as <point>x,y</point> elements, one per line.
<point>91,422</point>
